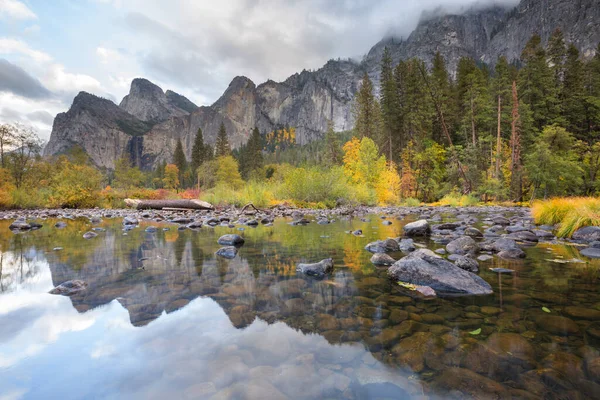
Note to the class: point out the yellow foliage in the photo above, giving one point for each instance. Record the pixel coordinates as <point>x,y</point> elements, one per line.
<point>76,186</point>
<point>388,186</point>
<point>351,158</point>
<point>571,213</point>
<point>171,179</point>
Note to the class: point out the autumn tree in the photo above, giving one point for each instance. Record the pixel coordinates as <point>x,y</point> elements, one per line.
<point>171,178</point>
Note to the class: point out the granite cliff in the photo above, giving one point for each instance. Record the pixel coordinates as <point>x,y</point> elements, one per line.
<point>149,122</point>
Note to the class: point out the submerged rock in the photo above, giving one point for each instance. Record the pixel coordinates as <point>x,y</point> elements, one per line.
<point>382,259</point>
<point>417,228</point>
<point>383,246</point>
<point>228,252</point>
<point>19,225</point>
<point>69,288</point>
<point>467,263</point>
<point>423,269</point>
<point>591,252</point>
<point>231,240</point>
<point>557,325</point>
<point>317,269</point>
<point>89,235</point>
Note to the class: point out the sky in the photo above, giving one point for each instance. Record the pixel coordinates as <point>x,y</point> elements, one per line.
<point>51,50</point>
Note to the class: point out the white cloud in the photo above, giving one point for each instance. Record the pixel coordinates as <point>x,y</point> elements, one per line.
<point>58,80</point>
<point>15,9</point>
<point>108,56</point>
<point>15,46</point>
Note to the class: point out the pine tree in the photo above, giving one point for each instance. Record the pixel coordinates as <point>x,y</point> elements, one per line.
<point>198,152</point>
<point>222,147</point>
<point>366,111</point>
<point>250,155</point>
<point>502,94</point>
<point>390,139</point>
<point>516,182</point>
<point>181,162</point>
<point>333,150</point>
<point>442,85</point>
<point>573,94</point>
<point>557,54</point>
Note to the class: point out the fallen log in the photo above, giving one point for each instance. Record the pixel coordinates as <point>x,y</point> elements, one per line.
<point>161,204</point>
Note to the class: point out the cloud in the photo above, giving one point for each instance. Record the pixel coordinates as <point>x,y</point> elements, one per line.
<point>15,46</point>
<point>15,9</point>
<point>41,116</point>
<point>14,79</point>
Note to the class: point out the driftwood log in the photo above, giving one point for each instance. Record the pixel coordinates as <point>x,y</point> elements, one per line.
<point>172,204</point>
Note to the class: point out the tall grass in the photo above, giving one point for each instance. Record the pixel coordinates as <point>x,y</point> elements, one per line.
<point>571,213</point>
<point>455,200</point>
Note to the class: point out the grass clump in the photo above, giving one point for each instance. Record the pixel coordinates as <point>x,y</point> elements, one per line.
<point>570,213</point>
<point>456,200</point>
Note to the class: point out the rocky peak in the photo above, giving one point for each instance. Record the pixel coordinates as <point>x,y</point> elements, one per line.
<point>180,101</point>
<point>149,103</point>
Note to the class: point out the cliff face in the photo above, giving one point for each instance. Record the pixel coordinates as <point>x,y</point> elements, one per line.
<point>149,122</point>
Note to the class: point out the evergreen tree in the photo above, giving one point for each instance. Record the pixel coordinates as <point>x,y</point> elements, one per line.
<point>250,155</point>
<point>557,54</point>
<point>333,150</point>
<point>442,85</point>
<point>222,147</point>
<point>501,93</point>
<point>573,94</point>
<point>390,139</point>
<point>181,162</point>
<point>198,152</point>
<point>366,111</point>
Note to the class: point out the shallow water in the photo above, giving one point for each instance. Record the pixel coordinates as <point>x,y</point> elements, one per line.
<point>162,317</point>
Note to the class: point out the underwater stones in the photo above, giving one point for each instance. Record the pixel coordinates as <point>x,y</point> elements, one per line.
<point>468,384</point>
<point>398,316</point>
<point>382,246</point>
<point>60,225</point>
<point>89,235</point>
<point>231,240</point>
<point>462,246</point>
<point>587,234</point>
<point>382,259</point>
<point>582,313</point>
<point>442,276</point>
<point>488,310</point>
<point>69,288</point>
<point>557,325</point>
<point>411,350</point>
<point>473,232</point>
<point>567,364</point>
<point>467,263</point>
<point>317,270</point>
<point>417,228</point>
<point>228,252</point>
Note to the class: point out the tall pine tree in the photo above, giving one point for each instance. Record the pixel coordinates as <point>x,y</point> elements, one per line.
<point>198,152</point>
<point>181,162</point>
<point>366,111</point>
<point>222,147</point>
<point>389,140</point>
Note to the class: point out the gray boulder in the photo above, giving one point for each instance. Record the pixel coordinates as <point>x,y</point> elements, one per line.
<point>383,246</point>
<point>130,221</point>
<point>524,236</point>
<point>420,268</point>
<point>467,263</point>
<point>512,254</point>
<point>228,252</point>
<point>19,225</point>
<point>89,235</point>
<point>382,259</point>
<point>317,270</point>
<point>463,245</point>
<point>417,228</point>
<point>591,252</point>
<point>587,234</point>
<point>231,240</point>
<point>406,245</point>
<point>473,232</point>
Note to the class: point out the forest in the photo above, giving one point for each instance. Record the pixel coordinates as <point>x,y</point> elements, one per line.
<point>514,132</point>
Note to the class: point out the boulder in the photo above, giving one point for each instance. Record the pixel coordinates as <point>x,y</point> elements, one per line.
<point>231,240</point>
<point>130,221</point>
<point>317,270</point>
<point>417,228</point>
<point>383,246</point>
<point>19,225</point>
<point>382,259</point>
<point>69,288</point>
<point>442,276</point>
<point>523,236</point>
<point>587,234</point>
<point>473,232</point>
<point>467,263</point>
<point>228,252</point>
<point>463,245</point>
<point>511,254</point>
<point>406,245</point>
<point>591,252</point>
<point>89,235</point>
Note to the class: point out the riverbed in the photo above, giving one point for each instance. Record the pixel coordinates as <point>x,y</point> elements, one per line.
<point>162,316</point>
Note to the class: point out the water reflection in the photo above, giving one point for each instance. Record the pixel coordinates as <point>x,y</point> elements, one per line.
<point>162,316</point>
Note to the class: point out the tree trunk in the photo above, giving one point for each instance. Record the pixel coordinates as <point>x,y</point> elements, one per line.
<point>498,139</point>
<point>473,133</point>
<point>160,204</point>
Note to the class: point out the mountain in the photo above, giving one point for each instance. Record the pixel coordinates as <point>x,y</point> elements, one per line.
<point>149,122</point>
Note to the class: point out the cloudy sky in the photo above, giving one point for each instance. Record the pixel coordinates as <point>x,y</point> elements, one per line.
<point>50,50</point>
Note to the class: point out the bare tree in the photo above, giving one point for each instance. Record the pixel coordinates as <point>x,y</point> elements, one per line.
<point>6,140</point>
<point>27,146</point>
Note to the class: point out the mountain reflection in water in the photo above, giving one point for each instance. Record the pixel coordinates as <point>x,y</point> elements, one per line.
<point>163,317</point>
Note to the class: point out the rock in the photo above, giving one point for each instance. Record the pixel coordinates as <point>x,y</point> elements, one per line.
<point>89,235</point>
<point>469,384</point>
<point>317,270</point>
<point>485,257</point>
<point>69,288</point>
<point>357,232</point>
<point>440,251</point>
<point>473,232</point>
<point>502,270</point>
<point>19,225</point>
<point>511,254</point>
<point>587,234</point>
<point>228,252</point>
<point>523,236</point>
<point>150,229</point>
<point>417,228</point>
<point>406,245</point>
<point>386,222</point>
<point>543,234</point>
<point>557,325</point>
<point>595,244</point>
<point>591,252</point>
<point>450,226</point>
<point>442,276</point>
<point>582,313</point>
<point>467,263</point>
<point>411,350</point>
<point>197,224</point>
<point>130,221</point>
<point>503,244</point>
<point>382,259</point>
<point>252,222</point>
<point>382,246</point>
<point>463,245</point>
<point>231,240</point>
<point>500,221</point>
<point>60,225</point>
